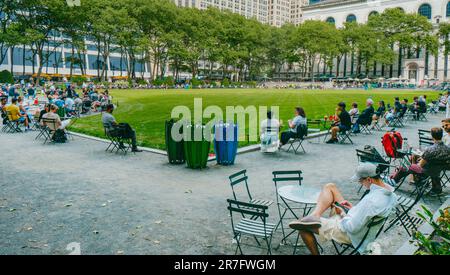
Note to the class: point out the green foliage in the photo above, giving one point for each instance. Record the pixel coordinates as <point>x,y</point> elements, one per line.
<point>226,82</point>
<point>169,81</point>
<point>439,242</point>
<point>158,31</point>
<point>196,82</point>
<point>6,77</point>
<point>78,79</point>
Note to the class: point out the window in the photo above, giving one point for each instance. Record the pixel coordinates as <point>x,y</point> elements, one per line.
<point>76,60</point>
<point>4,54</point>
<point>93,64</point>
<point>351,18</point>
<point>18,57</point>
<point>54,60</point>
<point>116,63</point>
<point>330,20</point>
<point>139,66</point>
<point>372,13</point>
<point>425,10</point>
<point>447,13</point>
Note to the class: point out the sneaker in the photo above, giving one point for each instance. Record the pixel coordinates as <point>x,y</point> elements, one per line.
<point>306,223</point>
<point>136,150</point>
<point>331,140</point>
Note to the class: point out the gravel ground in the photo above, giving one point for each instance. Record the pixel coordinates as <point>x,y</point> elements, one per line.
<point>56,194</point>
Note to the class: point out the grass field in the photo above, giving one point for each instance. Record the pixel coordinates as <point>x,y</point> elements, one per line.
<point>146,110</point>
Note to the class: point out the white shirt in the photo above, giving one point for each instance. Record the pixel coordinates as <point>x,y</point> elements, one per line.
<point>378,202</point>
<point>446,139</point>
<point>273,124</point>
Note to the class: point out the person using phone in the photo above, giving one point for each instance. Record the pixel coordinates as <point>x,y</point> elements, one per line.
<point>350,227</point>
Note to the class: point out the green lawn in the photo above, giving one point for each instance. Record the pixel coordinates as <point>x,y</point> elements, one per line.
<point>146,110</point>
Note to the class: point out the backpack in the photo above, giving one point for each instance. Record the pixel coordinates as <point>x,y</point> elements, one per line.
<point>59,136</point>
<point>392,142</point>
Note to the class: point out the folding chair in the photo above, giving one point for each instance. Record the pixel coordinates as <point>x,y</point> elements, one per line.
<point>374,227</point>
<point>383,164</point>
<point>48,129</point>
<point>405,205</point>
<point>397,121</point>
<point>240,178</point>
<point>422,116</point>
<point>289,178</point>
<point>342,136</point>
<point>376,125</point>
<point>425,138</point>
<point>117,143</point>
<point>410,117</point>
<point>298,138</point>
<point>257,228</point>
<point>12,125</point>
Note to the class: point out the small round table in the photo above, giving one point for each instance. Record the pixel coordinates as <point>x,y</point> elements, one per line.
<point>300,194</point>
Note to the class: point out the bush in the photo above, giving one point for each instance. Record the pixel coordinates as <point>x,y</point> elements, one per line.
<point>195,82</point>
<point>6,77</point>
<point>226,82</point>
<point>78,79</point>
<point>169,81</point>
<point>158,82</point>
<point>439,242</point>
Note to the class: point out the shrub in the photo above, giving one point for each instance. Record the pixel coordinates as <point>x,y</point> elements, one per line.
<point>439,242</point>
<point>195,82</point>
<point>78,79</point>
<point>169,81</point>
<point>6,77</point>
<point>226,82</point>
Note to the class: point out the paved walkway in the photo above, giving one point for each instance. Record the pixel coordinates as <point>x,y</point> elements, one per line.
<point>56,194</point>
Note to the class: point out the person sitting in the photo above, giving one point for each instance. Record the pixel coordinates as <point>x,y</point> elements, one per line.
<point>354,112</point>
<point>350,227</point>
<point>343,122</point>
<point>16,115</point>
<point>366,116</point>
<point>61,125</point>
<point>379,113</point>
<point>446,127</point>
<point>68,105</point>
<point>269,134</point>
<point>122,130</point>
<point>430,162</point>
<point>43,112</point>
<point>298,120</point>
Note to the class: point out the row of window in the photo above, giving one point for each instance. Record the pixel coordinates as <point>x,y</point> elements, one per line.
<point>25,57</point>
<point>424,10</point>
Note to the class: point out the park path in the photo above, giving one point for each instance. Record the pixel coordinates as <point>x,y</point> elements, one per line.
<point>55,194</point>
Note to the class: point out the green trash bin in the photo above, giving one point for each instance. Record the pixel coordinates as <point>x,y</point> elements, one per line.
<point>175,149</point>
<point>196,151</point>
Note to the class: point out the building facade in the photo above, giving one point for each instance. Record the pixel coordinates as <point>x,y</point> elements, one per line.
<point>416,68</point>
<point>248,8</point>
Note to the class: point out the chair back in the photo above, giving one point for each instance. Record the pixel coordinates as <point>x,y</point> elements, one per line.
<point>289,177</point>
<point>240,178</point>
<point>425,138</point>
<point>50,123</point>
<point>244,208</point>
<point>374,228</point>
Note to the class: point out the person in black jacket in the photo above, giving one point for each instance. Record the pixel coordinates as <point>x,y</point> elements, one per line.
<point>365,118</point>
<point>343,123</point>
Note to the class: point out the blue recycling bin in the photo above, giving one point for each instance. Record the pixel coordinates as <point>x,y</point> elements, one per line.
<point>225,142</point>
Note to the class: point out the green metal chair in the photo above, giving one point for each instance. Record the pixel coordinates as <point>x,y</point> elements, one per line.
<point>256,228</point>
<point>376,224</point>
<point>240,178</point>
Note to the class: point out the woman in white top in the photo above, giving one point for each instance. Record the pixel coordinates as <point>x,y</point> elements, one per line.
<point>269,129</point>
<point>354,112</point>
